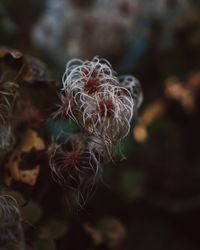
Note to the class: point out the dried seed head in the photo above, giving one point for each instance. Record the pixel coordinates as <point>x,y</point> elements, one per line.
<point>81,75</point>
<point>99,102</point>
<point>76,166</point>
<point>72,162</point>
<point>103,106</point>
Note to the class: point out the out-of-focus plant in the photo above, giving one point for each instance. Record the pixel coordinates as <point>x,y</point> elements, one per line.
<point>8,28</point>
<point>66,25</point>
<point>26,94</point>
<point>84,28</point>
<point>7,97</point>
<point>184,92</point>
<point>108,232</point>
<point>11,233</point>
<point>22,116</point>
<point>25,161</point>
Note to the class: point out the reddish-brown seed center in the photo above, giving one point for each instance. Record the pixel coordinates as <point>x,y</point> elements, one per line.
<point>106,107</point>
<point>92,85</point>
<point>72,158</point>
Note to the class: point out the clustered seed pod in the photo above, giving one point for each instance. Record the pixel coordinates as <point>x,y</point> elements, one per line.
<point>102,105</point>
